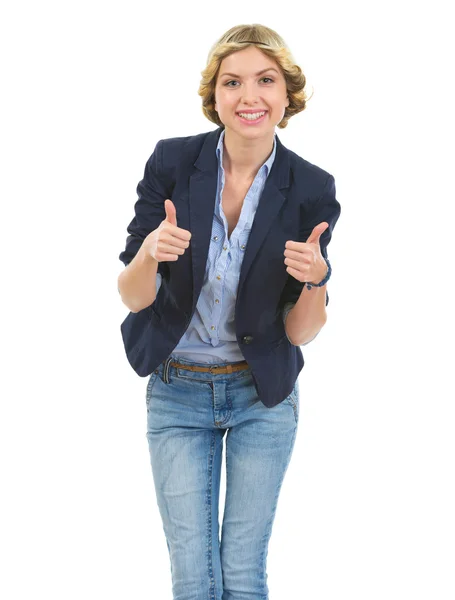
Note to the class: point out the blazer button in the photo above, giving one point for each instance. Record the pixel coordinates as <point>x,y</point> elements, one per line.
<point>247,339</point>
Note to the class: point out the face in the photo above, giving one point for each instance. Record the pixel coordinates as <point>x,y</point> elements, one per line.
<point>250,91</point>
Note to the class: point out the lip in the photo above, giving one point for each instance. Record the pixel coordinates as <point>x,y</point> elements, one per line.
<point>250,111</point>
<point>249,122</point>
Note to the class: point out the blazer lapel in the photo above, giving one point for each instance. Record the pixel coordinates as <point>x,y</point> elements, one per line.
<point>202,196</point>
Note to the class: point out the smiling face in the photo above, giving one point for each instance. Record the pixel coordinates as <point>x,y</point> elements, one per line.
<point>250,81</point>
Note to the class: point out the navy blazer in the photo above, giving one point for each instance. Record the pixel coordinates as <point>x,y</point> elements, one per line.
<point>297,196</point>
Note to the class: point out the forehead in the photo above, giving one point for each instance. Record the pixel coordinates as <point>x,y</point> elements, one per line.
<point>246,62</point>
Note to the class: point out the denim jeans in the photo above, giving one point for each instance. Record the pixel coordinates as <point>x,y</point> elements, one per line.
<point>188,414</point>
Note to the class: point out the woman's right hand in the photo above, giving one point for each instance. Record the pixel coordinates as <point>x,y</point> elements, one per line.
<point>168,241</point>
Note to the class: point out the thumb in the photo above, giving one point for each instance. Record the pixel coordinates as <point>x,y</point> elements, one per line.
<point>171,215</point>
<point>316,233</point>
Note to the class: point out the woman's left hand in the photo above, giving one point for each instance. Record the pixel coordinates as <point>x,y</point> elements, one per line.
<point>304,259</point>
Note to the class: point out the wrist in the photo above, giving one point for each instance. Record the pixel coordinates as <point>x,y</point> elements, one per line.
<point>145,256</point>
<point>324,279</point>
<point>321,277</point>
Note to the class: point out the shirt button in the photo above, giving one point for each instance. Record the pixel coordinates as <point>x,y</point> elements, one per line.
<point>218,277</point>
<point>212,327</point>
<point>216,238</point>
<point>217,301</point>
<point>224,247</point>
<point>242,246</point>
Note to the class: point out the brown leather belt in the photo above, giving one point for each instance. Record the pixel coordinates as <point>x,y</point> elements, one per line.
<point>229,368</point>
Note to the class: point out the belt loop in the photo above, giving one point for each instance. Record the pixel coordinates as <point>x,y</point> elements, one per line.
<point>166,369</point>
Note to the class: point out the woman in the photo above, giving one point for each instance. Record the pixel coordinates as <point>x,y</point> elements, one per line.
<point>225,279</point>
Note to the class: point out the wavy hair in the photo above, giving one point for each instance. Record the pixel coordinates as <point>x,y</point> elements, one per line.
<point>271,44</point>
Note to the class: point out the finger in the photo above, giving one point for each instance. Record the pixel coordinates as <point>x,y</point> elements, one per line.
<point>177,232</point>
<point>170,248</point>
<point>296,246</point>
<point>317,232</point>
<point>168,238</point>
<point>295,264</point>
<point>171,214</point>
<point>161,257</point>
<point>295,273</point>
<point>306,255</point>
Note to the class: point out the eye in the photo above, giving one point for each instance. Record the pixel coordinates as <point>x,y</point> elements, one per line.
<point>234,80</point>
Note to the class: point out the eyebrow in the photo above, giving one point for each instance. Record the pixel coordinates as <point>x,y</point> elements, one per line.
<point>259,73</point>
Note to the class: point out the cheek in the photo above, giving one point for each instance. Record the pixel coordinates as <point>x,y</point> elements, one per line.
<point>226,99</point>
<point>227,107</point>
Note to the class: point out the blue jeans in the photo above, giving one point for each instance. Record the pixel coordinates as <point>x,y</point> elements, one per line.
<point>188,414</point>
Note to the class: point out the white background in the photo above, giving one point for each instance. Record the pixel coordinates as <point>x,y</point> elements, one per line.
<point>366,510</point>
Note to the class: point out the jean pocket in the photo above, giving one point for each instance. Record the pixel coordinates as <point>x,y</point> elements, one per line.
<point>293,400</point>
<point>151,382</point>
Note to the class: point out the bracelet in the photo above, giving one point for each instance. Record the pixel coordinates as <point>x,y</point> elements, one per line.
<point>326,278</point>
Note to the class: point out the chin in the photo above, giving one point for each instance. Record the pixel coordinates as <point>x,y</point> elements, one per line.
<point>250,130</point>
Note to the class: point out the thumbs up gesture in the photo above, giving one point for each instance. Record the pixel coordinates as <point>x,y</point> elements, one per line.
<point>168,242</point>
<point>304,259</point>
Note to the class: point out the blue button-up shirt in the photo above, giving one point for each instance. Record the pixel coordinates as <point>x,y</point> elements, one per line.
<point>211,336</point>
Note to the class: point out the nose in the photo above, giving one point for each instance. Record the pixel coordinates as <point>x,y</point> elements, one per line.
<point>249,94</point>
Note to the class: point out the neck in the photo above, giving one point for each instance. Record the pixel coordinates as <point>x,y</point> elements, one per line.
<point>242,158</point>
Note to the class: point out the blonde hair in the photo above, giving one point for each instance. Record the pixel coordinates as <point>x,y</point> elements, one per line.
<point>269,43</point>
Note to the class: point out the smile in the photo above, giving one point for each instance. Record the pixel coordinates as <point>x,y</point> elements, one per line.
<point>252,119</point>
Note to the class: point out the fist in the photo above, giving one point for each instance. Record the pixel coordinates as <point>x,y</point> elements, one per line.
<point>168,242</point>
<point>304,260</point>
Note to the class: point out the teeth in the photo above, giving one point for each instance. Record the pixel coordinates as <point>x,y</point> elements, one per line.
<point>252,117</point>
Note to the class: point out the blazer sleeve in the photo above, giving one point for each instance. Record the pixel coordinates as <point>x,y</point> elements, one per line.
<point>153,189</point>
<point>327,209</point>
